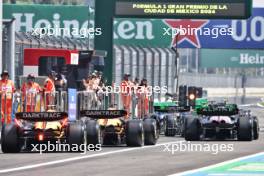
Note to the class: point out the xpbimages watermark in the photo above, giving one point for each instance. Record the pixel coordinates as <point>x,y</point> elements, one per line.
<point>74,32</point>
<point>190,31</point>
<point>187,146</point>
<point>63,147</point>
<point>148,90</point>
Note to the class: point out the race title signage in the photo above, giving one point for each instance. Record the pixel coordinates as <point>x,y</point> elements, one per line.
<point>184,9</point>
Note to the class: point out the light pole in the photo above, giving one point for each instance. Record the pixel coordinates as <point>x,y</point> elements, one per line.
<point>176,75</point>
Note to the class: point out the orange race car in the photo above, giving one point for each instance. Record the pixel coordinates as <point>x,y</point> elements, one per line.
<point>40,127</point>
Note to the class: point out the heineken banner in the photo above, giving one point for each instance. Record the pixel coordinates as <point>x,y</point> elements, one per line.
<point>147,32</point>
<point>30,17</point>
<point>228,58</point>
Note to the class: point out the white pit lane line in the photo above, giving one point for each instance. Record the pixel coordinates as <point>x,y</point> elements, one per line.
<point>27,167</point>
<point>216,165</point>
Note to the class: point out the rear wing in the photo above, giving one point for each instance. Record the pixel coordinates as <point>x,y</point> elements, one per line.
<point>171,108</point>
<point>41,116</point>
<point>103,114</point>
<point>228,110</point>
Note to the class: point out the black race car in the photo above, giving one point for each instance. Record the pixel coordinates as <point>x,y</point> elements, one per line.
<point>170,117</point>
<point>221,121</point>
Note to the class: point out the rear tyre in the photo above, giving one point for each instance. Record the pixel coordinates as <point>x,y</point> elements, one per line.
<point>170,126</point>
<point>10,139</point>
<point>134,133</point>
<point>93,132</point>
<point>182,126</point>
<point>255,128</point>
<point>75,135</point>
<point>192,129</point>
<point>245,129</point>
<point>150,131</point>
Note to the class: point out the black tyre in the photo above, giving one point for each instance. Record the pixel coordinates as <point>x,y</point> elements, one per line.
<point>255,128</point>
<point>134,133</point>
<point>245,129</point>
<point>93,132</point>
<point>75,134</point>
<point>192,129</point>
<point>182,126</point>
<point>169,126</point>
<point>158,122</point>
<point>10,139</point>
<point>150,131</point>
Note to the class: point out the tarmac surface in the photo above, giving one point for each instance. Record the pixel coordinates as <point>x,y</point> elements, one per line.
<point>165,158</point>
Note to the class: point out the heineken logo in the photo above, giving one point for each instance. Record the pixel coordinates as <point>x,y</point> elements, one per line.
<point>30,22</point>
<point>246,58</point>
<point>139,30</point>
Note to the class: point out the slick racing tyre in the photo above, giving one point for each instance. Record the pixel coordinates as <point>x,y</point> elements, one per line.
<point>150,131</point>
<point>93,132</point>
<point>10,139</point>
<point>134,133</point>
<point>255,128</point>
<point>158,122</point>
<point>192,129</point>
<point>170,126</point>
<point>75,134</point>
<point>245,129</point>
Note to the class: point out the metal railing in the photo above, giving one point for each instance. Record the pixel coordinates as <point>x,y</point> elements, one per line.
<point>11,103</point>
<point>140,105</point>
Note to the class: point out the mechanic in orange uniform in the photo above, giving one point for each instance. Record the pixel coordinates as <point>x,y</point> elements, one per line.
<point>30,89</point>
<point>126,93</point>
<point>7,89</point>
<point>49,90</point>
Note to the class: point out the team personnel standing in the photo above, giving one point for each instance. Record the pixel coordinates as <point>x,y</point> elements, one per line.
<point>49,90</point>
<point>29,90</point>
<point>126,85</point>
<point>143,99</point>
<point>7,89</point>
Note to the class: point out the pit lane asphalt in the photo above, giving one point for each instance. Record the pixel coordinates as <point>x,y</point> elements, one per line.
<point>137,161</point>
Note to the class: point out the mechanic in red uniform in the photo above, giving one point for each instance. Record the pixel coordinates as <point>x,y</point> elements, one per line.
<point>7,89</point>
<point>30,90</point>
